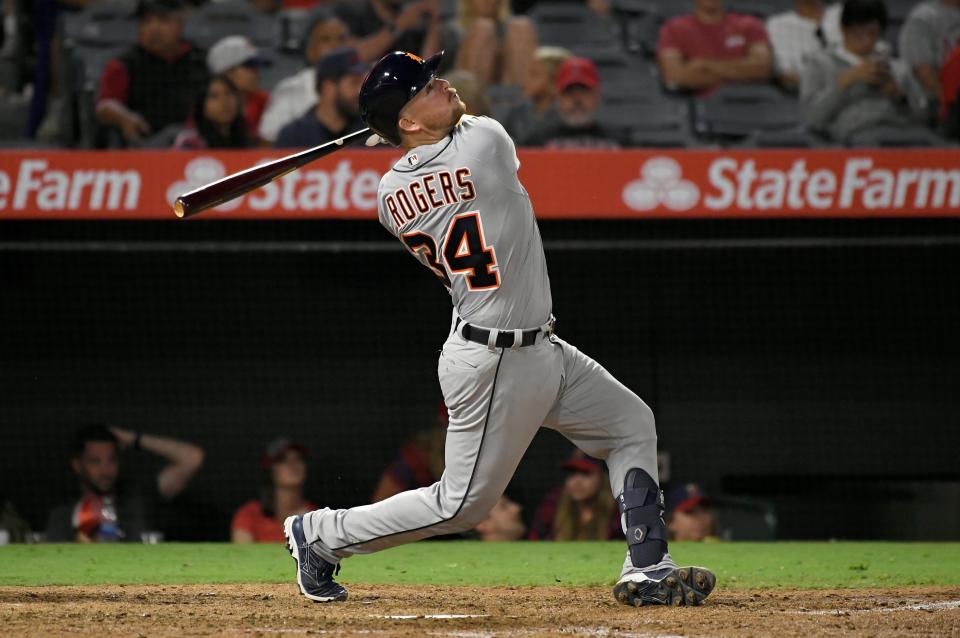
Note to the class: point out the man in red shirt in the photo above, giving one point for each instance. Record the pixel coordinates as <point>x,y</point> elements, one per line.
<point>153,84</point>
<point>710,47</point>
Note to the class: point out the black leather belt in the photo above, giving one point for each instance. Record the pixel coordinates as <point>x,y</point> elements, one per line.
<point>504,339</point>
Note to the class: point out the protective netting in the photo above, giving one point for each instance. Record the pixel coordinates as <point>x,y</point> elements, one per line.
<point>776,367</point>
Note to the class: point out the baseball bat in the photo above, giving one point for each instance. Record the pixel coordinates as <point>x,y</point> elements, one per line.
<point>237,184</point>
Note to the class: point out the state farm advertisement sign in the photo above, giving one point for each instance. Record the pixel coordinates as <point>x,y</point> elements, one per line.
<point>562,184</point>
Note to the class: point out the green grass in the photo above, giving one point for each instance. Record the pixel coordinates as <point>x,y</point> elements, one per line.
<point>737,565</point>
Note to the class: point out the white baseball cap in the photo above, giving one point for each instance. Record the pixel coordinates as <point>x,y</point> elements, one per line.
<point>232,51</point>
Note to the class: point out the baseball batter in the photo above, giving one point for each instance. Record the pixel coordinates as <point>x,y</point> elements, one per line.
<point>455,201</point>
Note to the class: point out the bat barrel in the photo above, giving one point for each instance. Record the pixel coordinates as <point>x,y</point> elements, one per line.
<point>237,184</point>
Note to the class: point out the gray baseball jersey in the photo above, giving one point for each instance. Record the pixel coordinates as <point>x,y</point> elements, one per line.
<point>459,207</point>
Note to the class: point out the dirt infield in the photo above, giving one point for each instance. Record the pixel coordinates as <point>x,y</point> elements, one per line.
<point>266,610</point>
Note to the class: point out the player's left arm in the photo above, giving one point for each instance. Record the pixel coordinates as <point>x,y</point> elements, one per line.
<point>184,459</point>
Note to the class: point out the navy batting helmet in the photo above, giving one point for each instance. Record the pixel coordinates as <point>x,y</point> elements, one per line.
<point>391,83</point>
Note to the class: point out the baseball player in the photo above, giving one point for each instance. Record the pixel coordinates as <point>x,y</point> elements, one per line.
<point>455,202</point>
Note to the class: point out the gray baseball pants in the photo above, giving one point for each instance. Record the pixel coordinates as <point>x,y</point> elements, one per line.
<point>497,399</point>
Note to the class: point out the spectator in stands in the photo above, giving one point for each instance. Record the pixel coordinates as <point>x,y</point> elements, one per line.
<point>503,523</point>
<point>540,84</point>
<point>13,529</point>
<point>575,123</point>
<point>239,60</point>
<point>796,35</point>
<point>496,47</point>
<point>111,508</point>
<point>151,86</point>
<point>582,508</point>
<point>269,7</point>
<point>216,120</point>
<point>380,26</point>
<point>710,47</point>
<point>284,464</point>
<point>420,462</point>
<point>854,90</point>
<point>295,94</point>
<point>929,34</point>
<point>521,115</point>
<point>690,515</point>
<point>950,94</point>
<point>339,76</point>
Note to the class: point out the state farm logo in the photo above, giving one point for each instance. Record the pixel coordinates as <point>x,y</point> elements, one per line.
<point>200,172</point>
<point>661,183</point>
<point>308,189</point>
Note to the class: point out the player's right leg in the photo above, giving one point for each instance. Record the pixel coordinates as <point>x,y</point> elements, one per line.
<point>606,420</point>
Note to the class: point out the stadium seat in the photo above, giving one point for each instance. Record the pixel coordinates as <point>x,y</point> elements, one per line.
<point>798,137</point>
<point>658,121</point>
<point>103,23</point>
<point>639,25</point>
<point>282,65</point>
<point>13,117</point>
<point>735,111</point>
<point>293,25</point>
<point>573,25</point>
<point>897,136</point>
<point>212,22</point>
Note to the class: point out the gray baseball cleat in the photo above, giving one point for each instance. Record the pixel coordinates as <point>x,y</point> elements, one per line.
<point>314,574</point>
<point>665,584</point>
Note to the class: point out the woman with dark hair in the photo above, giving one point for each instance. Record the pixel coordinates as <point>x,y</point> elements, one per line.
<point>216,120</point>
<point>281,495</point>
<point>582,509</point>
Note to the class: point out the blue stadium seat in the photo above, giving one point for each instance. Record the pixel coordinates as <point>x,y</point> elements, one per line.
<point>654,121</point>
<point>212,22</point>
<point>573,25</point>
<point>283,65</point>
<point>735,111</point>
<point>639,25</point>
<point>103,23</point>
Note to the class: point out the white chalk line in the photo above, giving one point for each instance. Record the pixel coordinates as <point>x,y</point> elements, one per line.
<point>947,604</point>
<point>596,632</point>
<point>430,616</point>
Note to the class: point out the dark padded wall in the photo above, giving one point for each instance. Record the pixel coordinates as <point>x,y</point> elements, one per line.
<point>815,376</point>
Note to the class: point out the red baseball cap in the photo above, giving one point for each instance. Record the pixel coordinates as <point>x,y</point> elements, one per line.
<point>685,497</point>
<point>580,462</point>
<point>577,72</point>
<point>277,449</point>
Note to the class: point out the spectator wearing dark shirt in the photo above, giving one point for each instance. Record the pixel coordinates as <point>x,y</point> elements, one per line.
<point>216,120</point>
<point>581,509</point>
<point>284,464</point>
<point>574,124</point>
<point>339,76</point>
<point>295,94</point>
<point>240,61</point>
<point>109,508</point>
<point>710,47</point>
<point>151,86</point>
<point>381,26</point>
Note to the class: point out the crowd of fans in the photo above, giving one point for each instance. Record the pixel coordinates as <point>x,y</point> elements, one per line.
<point>832,60</point>
<point>112,503</point>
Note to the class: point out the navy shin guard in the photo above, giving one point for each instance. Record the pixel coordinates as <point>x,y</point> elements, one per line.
<point>641,502</point>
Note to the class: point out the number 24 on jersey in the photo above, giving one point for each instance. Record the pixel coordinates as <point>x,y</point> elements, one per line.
<point>464,252</point>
